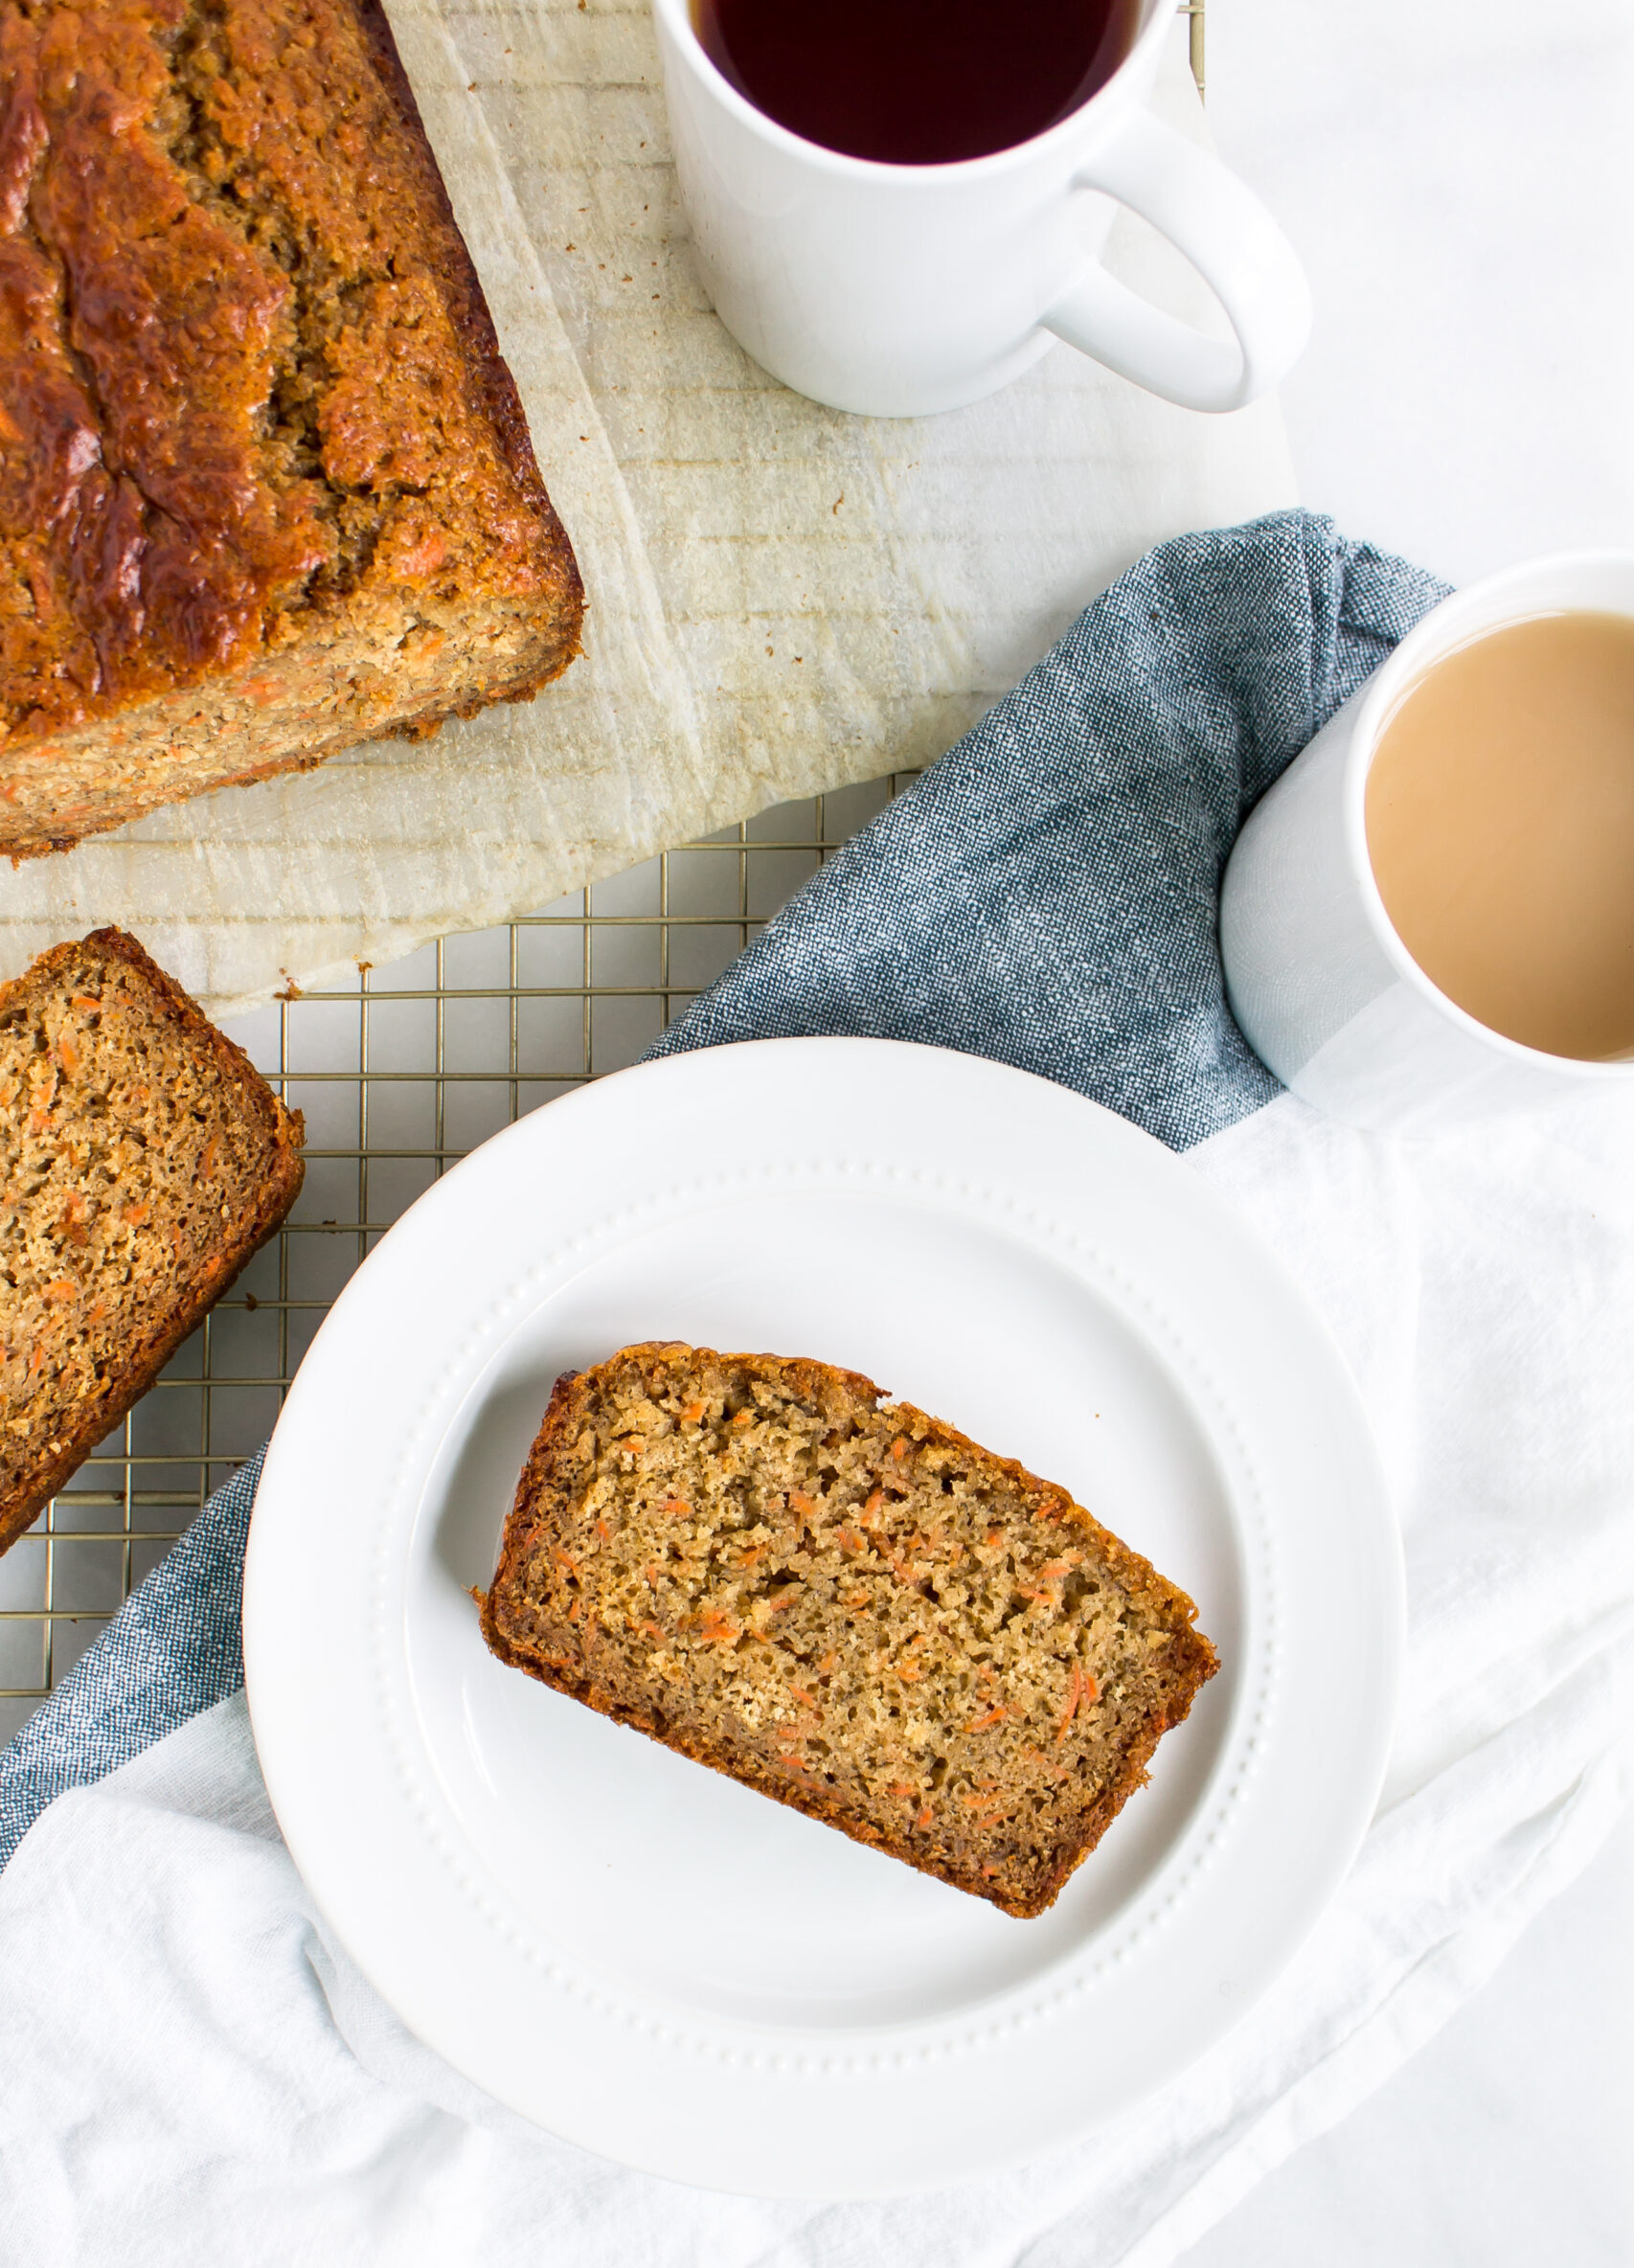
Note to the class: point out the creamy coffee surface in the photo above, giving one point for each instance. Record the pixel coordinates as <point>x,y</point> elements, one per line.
<point>1500,825</point>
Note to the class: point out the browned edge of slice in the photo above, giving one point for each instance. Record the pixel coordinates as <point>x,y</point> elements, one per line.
<point>473,322</point>
<point>136,1367</point>
<point>1193,1660</point>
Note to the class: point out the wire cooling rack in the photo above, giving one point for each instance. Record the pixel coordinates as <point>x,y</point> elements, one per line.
<point>399,1075</point>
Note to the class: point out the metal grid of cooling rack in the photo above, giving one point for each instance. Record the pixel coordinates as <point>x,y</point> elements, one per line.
<point>398,1076</point>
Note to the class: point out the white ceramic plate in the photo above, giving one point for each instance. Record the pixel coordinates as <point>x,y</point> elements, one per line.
<point>640,1954</point>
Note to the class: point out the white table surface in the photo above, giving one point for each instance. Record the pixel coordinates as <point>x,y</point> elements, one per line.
<point>1460,183</point>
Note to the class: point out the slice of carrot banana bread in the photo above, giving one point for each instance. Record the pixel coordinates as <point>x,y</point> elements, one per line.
<point>847,1606</point>
<point>142,1159</point>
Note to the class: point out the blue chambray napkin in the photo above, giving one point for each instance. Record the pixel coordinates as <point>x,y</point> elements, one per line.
<point>1045,894</point>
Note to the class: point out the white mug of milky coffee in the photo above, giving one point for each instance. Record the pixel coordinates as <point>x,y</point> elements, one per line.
<point>897,289</point>
<point>1430,916</point>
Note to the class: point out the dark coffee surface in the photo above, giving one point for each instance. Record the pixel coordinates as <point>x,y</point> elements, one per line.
<point>916,82</point>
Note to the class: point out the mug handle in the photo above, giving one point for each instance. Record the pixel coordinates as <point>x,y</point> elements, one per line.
<point>1225,232</point>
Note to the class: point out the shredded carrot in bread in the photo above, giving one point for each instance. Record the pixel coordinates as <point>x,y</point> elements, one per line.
<point>1074,1694</point>
<point>992,1718</point>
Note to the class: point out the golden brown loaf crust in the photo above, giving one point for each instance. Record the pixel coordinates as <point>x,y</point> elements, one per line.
<point>850,1608</point>
<point>144,1160</point>
<point>265,484</point>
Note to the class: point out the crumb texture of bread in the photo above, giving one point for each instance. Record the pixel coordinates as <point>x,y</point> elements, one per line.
<point>145,1160</point>
<point>265,484</point>
<point>847,1606</point>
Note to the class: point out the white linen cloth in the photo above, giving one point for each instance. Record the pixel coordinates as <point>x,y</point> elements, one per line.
<point>195,2074</point>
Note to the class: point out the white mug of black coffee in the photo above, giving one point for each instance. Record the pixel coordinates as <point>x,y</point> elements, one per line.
<point>1430,916</point>
<point>897,205</point>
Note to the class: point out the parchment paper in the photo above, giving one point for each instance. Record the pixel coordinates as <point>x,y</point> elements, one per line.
<point>782,598</point>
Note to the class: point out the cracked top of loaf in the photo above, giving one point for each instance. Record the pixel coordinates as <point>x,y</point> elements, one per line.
<point>248,381</point>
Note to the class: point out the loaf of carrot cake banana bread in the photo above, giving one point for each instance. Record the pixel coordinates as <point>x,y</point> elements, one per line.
<point>847,1606</point>
<point>265,484</point>
<point>142,1159</point>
